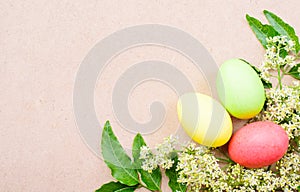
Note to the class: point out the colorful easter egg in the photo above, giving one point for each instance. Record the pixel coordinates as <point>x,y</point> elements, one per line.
<point>258,144</point>
<point>240,89</point>
<point>204,119</point>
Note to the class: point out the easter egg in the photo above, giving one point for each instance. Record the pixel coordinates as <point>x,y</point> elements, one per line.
<point>240,89</point>
<point>258,144</point>
<point>204,119</point>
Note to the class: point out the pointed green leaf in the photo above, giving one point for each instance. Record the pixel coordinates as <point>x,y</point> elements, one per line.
<point>173,176</point>
<point>282,28</point>
<point>152,180</point>
<point>267,84</point>
<point>116,158</point>
<point>116,187</point>
<point>138,142</point>
<point>261,31</point>
<point>294,72</point>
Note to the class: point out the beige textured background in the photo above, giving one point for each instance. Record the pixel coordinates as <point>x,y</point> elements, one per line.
<point>42,44</point>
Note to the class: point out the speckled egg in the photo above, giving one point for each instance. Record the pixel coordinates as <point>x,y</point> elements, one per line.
<point>240,89</point>
<point>258,144</point>
<point>204,119</point>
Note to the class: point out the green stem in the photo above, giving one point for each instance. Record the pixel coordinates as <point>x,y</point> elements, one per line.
<point>279,77</point>
<point>225,160</point>
<point>228,160</point>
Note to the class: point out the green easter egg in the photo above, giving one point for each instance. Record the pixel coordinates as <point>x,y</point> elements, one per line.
<point>240,89</point>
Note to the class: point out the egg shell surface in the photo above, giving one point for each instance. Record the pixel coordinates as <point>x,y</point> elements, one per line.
<point>240,89</point>
<point>258,144</point>
<point>204,119</point>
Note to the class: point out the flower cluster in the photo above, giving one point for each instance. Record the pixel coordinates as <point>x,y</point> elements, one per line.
<point>277,57</point>
<point>283,103</point>
<point>242,179</point>
<point>199,169</point>
<point>163,155</point>
<point>283,107</point>
<point>289,172</point>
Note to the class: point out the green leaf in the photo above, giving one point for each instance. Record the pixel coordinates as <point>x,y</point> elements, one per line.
<point>282,28</point>
<point>138,142</point>
<point>151,180</point>
<point>116,187</point>
<point>294,72</point>
<point>267,84</point>
<point>283,53</point>
<point>173,176</point>
<point>261,31</point>
<point>116,158</point>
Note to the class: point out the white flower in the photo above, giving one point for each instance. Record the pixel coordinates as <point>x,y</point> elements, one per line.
<point>198,168</point>
<point>275,57</point>
<point>161,156</point>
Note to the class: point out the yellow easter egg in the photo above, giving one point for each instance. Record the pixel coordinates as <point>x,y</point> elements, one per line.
<point>204,119</point>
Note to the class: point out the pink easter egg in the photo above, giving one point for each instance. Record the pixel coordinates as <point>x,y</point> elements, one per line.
<point>258,144</point>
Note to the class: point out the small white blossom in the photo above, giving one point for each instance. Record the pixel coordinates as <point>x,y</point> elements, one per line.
<point>161,156</point>
<point>289,171</point>
<point>275,58</point>
<point>198,168</point>
<point>283,107</point>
